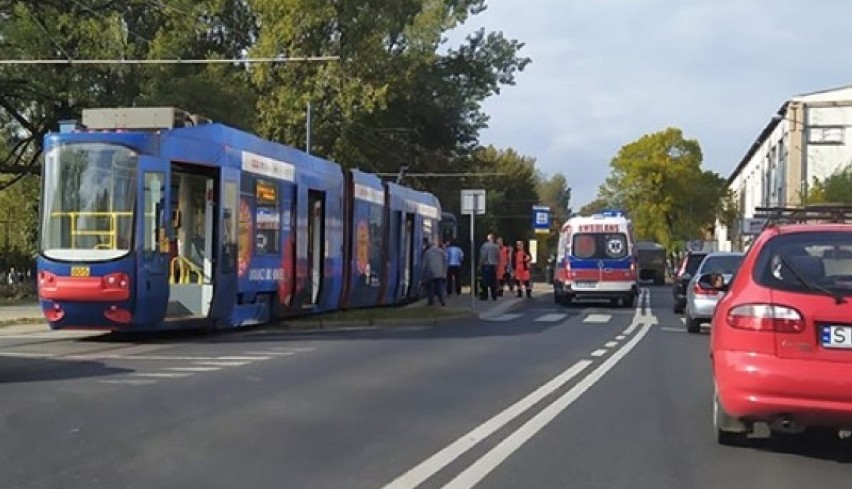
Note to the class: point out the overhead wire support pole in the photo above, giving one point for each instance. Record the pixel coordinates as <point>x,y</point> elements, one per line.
<point>174,61</point>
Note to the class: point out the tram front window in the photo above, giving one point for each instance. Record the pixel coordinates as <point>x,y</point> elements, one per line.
<point>87,212</point>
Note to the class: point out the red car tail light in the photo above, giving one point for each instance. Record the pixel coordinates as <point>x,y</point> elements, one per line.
<point>702,291</point>
<point>766,317</point>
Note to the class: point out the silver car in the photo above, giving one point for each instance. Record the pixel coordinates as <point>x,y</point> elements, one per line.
<point>700,303</point>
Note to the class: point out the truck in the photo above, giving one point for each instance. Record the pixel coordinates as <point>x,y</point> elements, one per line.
<point>652,261</point>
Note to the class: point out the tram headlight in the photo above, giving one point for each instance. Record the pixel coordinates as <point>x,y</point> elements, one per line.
<point>116,280</point>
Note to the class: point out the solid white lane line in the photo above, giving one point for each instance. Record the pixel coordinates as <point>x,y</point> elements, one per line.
<point>273,353</point>
<point>250,359</point>
<point>488,462</point>
<point>129,381</point>
<point>438,461</point>
<point>163,375</point>
<point>597,318</point>
<point>668,329</point>
<point>23,354</point>
<point>222,364</point>
<point>629,330</point>
<point>194,369</point>
<point>598,353</point>
<point>551,318</point>
<point>94,356</point>
<point>611,344</point>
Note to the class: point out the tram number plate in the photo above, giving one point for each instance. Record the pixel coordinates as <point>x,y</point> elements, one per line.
<point>80,271</point>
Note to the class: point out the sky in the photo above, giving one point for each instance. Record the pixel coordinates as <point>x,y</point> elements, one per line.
<point>606,72</point>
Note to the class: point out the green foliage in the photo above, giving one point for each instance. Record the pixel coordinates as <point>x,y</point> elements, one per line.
<point>510,195</point>
<point>555,193</point>
<point>834,189</point>
<point>396,97</point>
<point>33,98</point>
<point>596,206</point>
<point>658,179</point>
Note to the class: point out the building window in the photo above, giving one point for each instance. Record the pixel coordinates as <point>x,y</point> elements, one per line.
<point>826,135</point>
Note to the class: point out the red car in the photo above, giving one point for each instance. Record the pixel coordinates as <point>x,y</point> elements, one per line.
<point>781,338</point>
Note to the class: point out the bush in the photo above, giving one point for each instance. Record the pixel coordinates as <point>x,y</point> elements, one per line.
<point>18,292</point>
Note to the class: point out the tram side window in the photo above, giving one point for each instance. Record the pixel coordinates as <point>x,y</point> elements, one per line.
<point>153,212</point>
<point>267,219</point>
<point>377,233</point>
<point>229,227</point>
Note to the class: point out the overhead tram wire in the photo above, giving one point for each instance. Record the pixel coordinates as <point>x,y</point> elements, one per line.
<point>174,61</point>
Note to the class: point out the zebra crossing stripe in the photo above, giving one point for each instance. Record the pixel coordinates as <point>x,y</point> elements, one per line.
<point>505,317</point>
<point>551,318</point>
<point>597,318</point>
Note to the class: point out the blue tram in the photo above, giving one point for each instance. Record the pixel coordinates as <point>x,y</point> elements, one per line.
<point>155,219</point>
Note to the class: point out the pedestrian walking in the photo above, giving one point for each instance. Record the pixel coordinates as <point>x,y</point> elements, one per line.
<point>455,259</point>
<point>504,268</point>
<point>523,276</point>
<point>489,256</point>
<point>434,272</point>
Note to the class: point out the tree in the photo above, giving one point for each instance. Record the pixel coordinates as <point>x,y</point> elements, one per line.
<point>34,98</point>
<point>511,194</point>
<point>596,206</point>
<point>658,179</point>
<point>393,99</point>
<point>554,193</point>
<point>834,189</point>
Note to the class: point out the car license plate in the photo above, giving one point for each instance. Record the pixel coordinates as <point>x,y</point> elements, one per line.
<point>585,285</point>
<point>80,271</point>
<point>836,337</point>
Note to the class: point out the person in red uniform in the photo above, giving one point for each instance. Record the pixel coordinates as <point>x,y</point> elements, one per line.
<point>523,275</point>
<point>504,267</point>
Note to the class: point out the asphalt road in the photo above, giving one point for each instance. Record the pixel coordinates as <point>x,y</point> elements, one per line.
<point>540,397</point>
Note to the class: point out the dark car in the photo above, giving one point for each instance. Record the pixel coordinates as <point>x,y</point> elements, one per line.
<point>688,266</point>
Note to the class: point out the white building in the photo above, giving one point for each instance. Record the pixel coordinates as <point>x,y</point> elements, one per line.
<point>807,138</point>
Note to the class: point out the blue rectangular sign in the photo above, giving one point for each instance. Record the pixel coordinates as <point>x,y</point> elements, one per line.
<point>541,218</point>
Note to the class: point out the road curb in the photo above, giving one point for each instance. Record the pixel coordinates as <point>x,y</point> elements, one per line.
<point>362,323</point>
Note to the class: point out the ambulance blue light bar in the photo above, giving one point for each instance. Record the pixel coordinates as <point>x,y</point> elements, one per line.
<point>613,213</point>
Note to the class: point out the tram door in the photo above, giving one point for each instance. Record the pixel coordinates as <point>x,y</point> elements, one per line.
<point>316,239</point>
<point>152,287</point>
<point>193,254</point>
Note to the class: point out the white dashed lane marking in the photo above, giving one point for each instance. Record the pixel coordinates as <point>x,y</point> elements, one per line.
<point>611,344</point>
<point>598,353</point>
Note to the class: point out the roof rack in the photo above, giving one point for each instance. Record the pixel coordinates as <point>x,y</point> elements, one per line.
<point>816,213</point>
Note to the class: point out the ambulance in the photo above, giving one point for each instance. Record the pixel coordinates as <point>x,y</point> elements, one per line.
<point>597,259</point>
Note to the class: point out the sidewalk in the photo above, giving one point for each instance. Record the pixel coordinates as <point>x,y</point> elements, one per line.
<point>28,318</point>
<point>485,309</point>
<point>20,312</point>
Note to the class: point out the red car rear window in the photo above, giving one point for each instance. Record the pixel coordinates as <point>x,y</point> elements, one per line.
<point>822,258</point>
